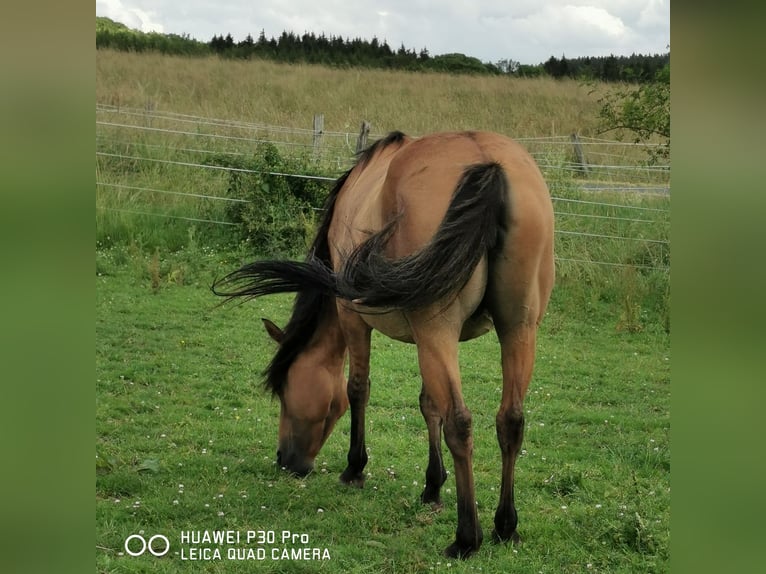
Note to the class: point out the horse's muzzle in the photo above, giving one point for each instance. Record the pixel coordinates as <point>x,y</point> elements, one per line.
<point>294,464</point>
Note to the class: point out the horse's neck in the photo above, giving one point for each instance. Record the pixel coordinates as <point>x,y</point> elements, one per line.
<point>328,343</point>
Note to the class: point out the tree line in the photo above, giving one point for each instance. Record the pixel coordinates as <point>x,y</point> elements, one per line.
<point>357,52</point>
<point>633,68</point>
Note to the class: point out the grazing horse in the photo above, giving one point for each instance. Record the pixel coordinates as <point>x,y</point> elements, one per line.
<point>431,241</point>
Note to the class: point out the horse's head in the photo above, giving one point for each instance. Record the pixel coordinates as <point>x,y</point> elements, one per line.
<point>312,400</point>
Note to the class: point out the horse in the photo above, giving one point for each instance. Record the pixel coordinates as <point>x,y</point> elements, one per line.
<point>430,240</point>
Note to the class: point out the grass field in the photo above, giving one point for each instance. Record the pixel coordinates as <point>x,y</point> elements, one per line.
<point>289,95</point>
<point>186,440</point>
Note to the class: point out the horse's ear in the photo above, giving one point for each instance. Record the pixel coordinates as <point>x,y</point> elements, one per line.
<point>274,332</point>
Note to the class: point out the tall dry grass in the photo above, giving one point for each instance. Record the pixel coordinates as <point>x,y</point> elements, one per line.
<point>289,95</point>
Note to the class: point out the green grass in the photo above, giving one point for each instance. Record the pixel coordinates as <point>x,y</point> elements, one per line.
<point>178,402</point>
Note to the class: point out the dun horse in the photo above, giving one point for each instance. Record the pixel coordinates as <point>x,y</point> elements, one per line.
<point>431,241</point>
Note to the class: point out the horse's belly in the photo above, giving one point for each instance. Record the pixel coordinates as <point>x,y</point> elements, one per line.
<point>392,324</point>
<point>476,326</point>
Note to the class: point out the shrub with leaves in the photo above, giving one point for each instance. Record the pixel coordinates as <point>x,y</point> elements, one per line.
<point>643,111</point>
<point>277,214</point>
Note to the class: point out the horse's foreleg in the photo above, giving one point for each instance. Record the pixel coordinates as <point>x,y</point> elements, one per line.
<point>358,391</point>
<point>518,355</point>
<point>435,473</point>
<point>358,396</point>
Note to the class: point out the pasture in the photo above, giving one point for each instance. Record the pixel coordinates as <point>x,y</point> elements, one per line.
<point>186,438</point>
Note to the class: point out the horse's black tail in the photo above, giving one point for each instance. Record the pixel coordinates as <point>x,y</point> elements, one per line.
<point>270,277</point>
<point>475,224</point>
<point>314,283</point>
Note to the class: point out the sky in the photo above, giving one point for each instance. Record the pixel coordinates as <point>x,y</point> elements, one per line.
<point>526,31</point>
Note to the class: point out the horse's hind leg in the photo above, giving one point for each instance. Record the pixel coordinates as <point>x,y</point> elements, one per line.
<point>435,473</point>
<point>518,354</point>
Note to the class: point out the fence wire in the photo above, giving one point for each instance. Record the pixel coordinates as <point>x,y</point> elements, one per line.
<point>136,135</point>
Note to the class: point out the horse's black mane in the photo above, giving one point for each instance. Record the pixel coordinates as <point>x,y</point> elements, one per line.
<point>311,302</point>
<point>366,155</point>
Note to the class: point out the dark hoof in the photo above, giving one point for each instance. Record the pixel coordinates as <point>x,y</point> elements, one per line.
<point>350,478</point>
<point>513,538</point>
<point>461,551</point>
<point>433,499</point>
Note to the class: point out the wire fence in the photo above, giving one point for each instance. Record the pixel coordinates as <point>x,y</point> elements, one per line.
<point>131,143</point>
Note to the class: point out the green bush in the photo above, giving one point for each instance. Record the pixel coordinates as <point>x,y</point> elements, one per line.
<point>643,111</point>
<point>277,213</point>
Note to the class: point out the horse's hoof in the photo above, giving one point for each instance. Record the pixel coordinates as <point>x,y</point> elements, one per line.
<point>513,538</point>
<point>352,479</point>
<point>461,551</point>
<point>434,501</point>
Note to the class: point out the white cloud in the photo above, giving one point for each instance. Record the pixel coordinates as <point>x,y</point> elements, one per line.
<point>590,19</point>
<point>577,29</point>
<point>132,17</point>
<point>654,14</point>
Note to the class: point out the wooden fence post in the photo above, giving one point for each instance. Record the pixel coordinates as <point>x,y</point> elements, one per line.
<point>582,163</point>
<point>318,131</point>
<point>361,141</point>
